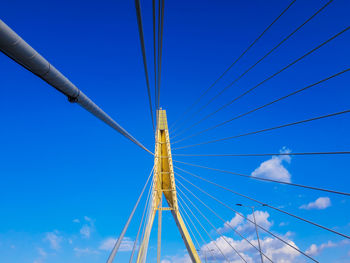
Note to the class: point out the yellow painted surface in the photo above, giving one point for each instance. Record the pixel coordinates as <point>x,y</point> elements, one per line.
<point>164,184</point>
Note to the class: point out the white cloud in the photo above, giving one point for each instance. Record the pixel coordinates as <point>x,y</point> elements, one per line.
<point>274,169</point>
<point>54,239</point>
<point>284,224</point>
<point>76,220</point>
<point>42,256</point>
<point>81,251</point>
<point>262,219</point>
<point>244,226</point>
<point>273,248</point>
<point>42,252</point>
<point>108,244</point>
<point>315,250</point>
<point>319,203</point>
<point>277,251</point>
<point>233,223</point>
<point>88,219</point>
<point>87,228</point>
<point>85,231</point>
<point>178,259</point>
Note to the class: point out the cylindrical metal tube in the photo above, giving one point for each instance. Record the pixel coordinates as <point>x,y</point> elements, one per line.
<point>20,51</point>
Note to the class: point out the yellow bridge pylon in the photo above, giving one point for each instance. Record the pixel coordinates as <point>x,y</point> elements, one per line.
<point>164,185</point>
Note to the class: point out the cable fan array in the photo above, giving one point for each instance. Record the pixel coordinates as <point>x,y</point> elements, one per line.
<point>195,200</point>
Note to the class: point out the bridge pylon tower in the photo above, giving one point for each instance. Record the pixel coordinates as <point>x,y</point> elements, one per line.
<point>164,186</point>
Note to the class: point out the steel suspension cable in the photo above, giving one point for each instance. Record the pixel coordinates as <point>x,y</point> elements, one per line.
<point>260,83</point>
<point>259,154</point>
<point>228,69</point>
<point>222,253</point>
<point>141,221</point>
<point>121,236</point>
<point>241,215</point>
<point>189,228</point>
<point>142,41</point>
<point>265,105</point>
<point>212,225</point>
<point>205,243</point>
<point>216,214</point>
<point>160,46</point>
<point>148,211</point>
<point>154,53</point>
<point>265,179</point>
<point>267,129</point>
<point>13,46</point>
<point>272,207</point>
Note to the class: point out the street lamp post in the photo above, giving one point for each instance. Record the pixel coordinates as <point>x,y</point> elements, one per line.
<point>256,229</point>
<point>257,234</point>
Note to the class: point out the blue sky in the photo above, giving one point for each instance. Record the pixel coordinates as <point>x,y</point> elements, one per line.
<point>68,181</point>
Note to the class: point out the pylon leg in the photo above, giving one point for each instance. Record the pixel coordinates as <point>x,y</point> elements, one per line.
<point>159,232</point>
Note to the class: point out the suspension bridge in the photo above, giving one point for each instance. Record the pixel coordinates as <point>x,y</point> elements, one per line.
<point>171,186</point>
